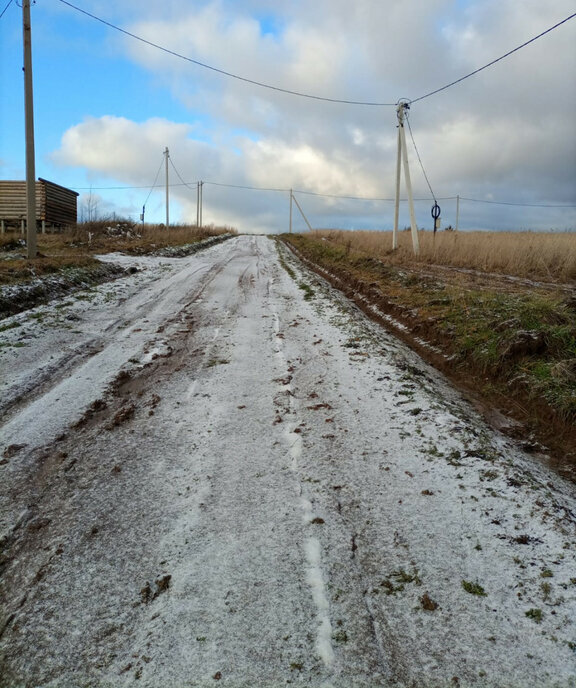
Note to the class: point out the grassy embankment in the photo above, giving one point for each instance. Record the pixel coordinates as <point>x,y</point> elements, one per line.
<point>478,298</point>
<point>76,247</point>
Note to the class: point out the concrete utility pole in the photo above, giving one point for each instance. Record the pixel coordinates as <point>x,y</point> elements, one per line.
<point>167,155</point>
<point>301,211</point>
<point>201,204</point>
<point>402,151</point>
<point>29,119</point>
<point>457,211</point>
<point>199,201</point>
<point>291,197</point>
<point>397,206</point>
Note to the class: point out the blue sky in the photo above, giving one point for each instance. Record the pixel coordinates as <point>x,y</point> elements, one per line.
<point>106,106</point>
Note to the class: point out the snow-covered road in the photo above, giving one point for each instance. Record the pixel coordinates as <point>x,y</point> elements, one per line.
<point>217,471</point>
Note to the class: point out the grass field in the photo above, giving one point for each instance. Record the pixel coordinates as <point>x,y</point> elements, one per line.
<point>77,246</point>
<point>541,256</point>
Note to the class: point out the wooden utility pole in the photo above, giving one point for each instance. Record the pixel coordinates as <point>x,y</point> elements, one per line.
<point>167,155</point>
<point>29,120</point>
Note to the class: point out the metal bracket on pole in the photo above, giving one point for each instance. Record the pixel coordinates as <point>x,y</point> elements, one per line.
<point>435,212</point>
<point>402,156</point>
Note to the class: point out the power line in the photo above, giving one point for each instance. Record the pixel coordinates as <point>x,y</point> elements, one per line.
<point>316,193</point>
<point>249,188</point>
<point>221,71</point>
<point>521,205</point>
<point>419,158</point>
<point>154,183</point>
<point>298,93</point>
<point>188,184</point>
<point>4,10</point>
<point>498,59</point>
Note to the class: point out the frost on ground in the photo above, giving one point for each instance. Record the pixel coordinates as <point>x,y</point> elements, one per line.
<point>218,472</point>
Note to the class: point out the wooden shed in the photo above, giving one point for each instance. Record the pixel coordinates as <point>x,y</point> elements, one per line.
<point>56,206</point>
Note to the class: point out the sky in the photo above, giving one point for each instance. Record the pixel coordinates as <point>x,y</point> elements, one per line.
<point>107,105</point>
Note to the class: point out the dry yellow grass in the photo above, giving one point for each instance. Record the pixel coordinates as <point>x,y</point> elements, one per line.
<point>76,246</point>
<point>541,256</point>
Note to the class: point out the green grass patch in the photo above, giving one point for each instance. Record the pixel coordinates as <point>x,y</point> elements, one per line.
<point>534,614</point>
<point>10,326</point>
<point>473,588</point>
<point>308,291</point>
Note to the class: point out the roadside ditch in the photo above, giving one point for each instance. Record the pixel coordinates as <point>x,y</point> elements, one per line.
<point>512,352</point>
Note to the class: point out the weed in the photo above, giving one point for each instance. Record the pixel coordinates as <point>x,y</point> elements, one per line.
<point>340,636</point>
<point>546,590</point>
<point>403,576</point>
<point>308,291</point>
<point>216,361</point>
<point>428,603</point>
<point>488,475</point>
<point>546,573</point>
<point>10,326</point>
<point>16,345</point>
<point>473,588</point>
<point>534,614</point>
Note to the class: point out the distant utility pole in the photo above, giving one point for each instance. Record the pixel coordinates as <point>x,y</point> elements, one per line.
<point>291,197</point>
<point>402,157</point>
<point>199,192</point>
<point>29,119</point>
<point>167,156</point>
<point>457,211</point>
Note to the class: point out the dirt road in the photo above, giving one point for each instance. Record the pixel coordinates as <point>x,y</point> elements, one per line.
<point>218,472</point>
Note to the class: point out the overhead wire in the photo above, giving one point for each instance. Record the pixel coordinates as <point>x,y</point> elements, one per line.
<point>520,205</point>
<point>7,6</point>
<point>418,156</point>
<point>493,62</point>
<point>299,93</point>
<point>221,71</point>
<point>326,99</point>
<point>316,193</point>
<point>188,184</point>
<point>153,185</point>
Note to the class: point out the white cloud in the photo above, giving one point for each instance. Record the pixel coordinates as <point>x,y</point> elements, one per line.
<point>507,132</point>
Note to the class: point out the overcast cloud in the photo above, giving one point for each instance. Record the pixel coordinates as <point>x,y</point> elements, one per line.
<point>507,134</point>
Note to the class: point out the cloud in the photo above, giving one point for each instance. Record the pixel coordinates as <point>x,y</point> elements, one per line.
<point>507,133</point>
